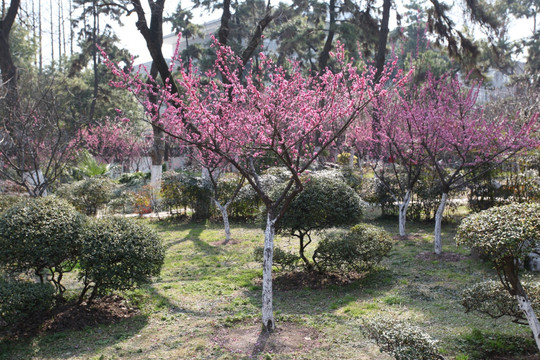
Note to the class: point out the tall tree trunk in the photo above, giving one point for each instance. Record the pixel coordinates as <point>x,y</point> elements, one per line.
<point>40,38</point>
<point>267,308</point>
<point>438,223</point>
<point>94,62</point>
<point>403,206</point>
<point>325,53</point>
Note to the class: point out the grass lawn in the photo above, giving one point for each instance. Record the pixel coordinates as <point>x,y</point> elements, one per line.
<point>206,304</point>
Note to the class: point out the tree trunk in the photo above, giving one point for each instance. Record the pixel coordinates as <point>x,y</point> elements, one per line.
<point>403,213</point>
<point>525,306</point>
<point>267,310</point>
<point>225,216</point>
<point>438,222</point>
<point>325,53</point>
<point>35,183</point>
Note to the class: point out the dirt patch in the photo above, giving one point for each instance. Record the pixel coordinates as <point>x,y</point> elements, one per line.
<point>222,242</point>
<point>294,280</point>
<point>445,256</point>
<point>71,316</point>
<point>250,340</point>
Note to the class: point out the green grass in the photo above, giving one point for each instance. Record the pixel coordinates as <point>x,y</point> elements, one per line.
<point>205,285</point>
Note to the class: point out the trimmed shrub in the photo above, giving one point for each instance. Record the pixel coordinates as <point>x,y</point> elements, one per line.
<point>402,340</point>
<point>502,234</point>
<point>7,201</point>
<point>326,202</point>
<point>182,190</point>
<point>492,299</point>
<point>19,300</point>
<point>88,195</point>
<point>357,250</point>
<point>41,234</point>
<point>119,254</point>
<point>284,259</point>
<point>247,203</point>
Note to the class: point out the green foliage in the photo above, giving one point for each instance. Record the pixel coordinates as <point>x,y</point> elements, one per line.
<point>7,201</point>
<point>325,202</point>
<point>284,259</point>
<point>357,250</point>
<point>88,195</point>
<point>135,179</point>
<point>502,234</point>
<point>18,300</point>
<point>402,340</point>
<point>119,254</point>
<point>89,166</point>
<point>488,345</point>
<point>492,299</point>
<point>183,190</point>
<point>345,157</point>
<point>40,233</point>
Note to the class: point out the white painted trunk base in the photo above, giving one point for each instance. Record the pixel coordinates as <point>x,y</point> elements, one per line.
<point>34,179</point>
<point>225,216</point>
<point>438,223</point>
<point>403,213</point>
<point>156,172</point>
<point>267,309</point>
<point>525,306</point>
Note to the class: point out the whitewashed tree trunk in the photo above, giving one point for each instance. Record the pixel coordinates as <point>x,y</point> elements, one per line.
<point>156,172</point>
<point>525,306</point>
<point>403,206</point>
<point>225,216</point>
<point>438,223</point>
<point>267,310</point>
<point>35,180</point>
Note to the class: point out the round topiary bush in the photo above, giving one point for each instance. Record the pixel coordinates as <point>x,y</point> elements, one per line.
<point>18,300</point>
<point>506,235</point>
<point>402,340</point>
<point>88,195</point>
<point>492,299</point>
<point>356,250</point>
<point>118,254</point>
<point>42,235</point>
<point>325,202</point>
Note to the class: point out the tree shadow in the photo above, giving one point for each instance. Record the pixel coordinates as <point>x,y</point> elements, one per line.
<point>72,340</point>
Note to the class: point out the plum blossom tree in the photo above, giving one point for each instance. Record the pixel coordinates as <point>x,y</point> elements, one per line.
<point>394,144</point>
<point>114,140</point>
<point>215,166</point>
<point>459,139</point>
<point>254,113</point>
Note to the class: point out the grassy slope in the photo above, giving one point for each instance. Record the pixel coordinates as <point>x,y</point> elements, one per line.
<point>205,285</point>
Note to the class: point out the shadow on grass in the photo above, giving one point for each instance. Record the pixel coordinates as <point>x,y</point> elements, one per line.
<point>68,343</point>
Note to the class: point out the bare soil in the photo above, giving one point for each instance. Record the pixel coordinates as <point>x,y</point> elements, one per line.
<point>70,316</point>
<point>294,280</point>
<point>445,256</point>
<point>249,339</point>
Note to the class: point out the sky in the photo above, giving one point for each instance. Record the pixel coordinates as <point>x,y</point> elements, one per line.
<point>133,41</point>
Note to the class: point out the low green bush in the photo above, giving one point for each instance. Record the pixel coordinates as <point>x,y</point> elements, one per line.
<point>492,299</point>
<point>183,190</point>
<point>7,201</point>
<point>356,250</point>
<point>283,259</point>
<point>88,195</point>
<point>402,340</point>
<point>19,300</point>
<point>42,235</point>
<point>118,254</point>
<point>488,345</point>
